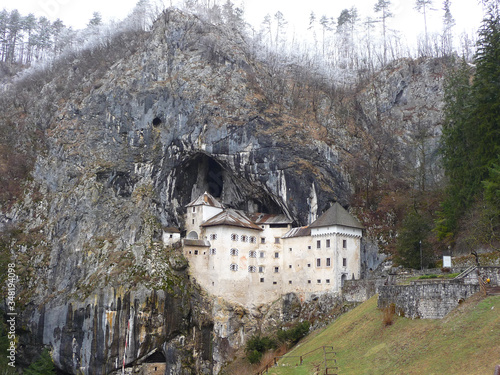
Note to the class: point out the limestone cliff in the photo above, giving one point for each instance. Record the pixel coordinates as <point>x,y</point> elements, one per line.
<point>186,109</point>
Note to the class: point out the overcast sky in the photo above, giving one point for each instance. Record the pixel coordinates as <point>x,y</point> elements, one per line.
<point>77,13</point>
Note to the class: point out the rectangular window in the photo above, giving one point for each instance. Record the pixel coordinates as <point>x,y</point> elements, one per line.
<point>344,262</point>
<point>318,262</point>
<point>289,266</point>
<point>196,252</point>
<point>213,251</point>
<point>328,281</point>
<point>234,237</point>
<point>263,240</point>
<point>261,254</point>
<point>308,264</point>
<point>261,269</point>
<point>276,240</point>
<point>308,247</point>
<point>289,281</point>
<point>319,281</point>
<point>328,262</point>
<point>193,221</point>
<point>194,209</point>
<point>344,244</point>
<point>276,255</point>
<point>252,254</point>
<point>275,282</point>
<point>309,281</point>
<point>318,244</point>
<point>261,279</point>
<point>213,237</point>
<point>290,249</point>
<point>327,243</point>
<point>276,269</point>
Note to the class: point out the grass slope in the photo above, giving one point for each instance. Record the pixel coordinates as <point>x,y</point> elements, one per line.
<point>467,341</point>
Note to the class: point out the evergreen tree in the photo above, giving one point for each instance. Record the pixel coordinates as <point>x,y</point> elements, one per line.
<point>383,7</point>
<point>413,249</point>
<point>43,366</point>
<point>423,6</point>
<point>96,20</point>
<point>448,23</point>
<point>471,132</point>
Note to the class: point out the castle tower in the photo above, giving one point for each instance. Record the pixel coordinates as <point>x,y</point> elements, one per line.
<point>198,211</point>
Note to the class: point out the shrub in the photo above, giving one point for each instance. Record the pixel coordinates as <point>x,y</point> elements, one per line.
<point>388,315</point>
<point>256,346</point>
<point>294,334</point>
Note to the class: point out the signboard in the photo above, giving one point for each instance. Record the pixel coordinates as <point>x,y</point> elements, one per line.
<point>446,261</point>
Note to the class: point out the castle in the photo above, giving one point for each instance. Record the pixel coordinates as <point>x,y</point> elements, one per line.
<point>255,258</point>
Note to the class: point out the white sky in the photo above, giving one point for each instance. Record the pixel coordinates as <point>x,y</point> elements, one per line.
<point>77,13</point>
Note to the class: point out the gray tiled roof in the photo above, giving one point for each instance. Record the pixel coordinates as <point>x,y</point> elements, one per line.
<point>336,215</point>
<point>233,218</point>
<point>298,232</point>
<point>206,200</point>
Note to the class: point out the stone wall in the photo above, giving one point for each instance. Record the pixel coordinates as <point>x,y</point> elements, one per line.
<point>426,299</point>
<point>492,273</point>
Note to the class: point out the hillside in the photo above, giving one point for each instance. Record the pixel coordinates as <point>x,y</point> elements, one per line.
<point>465,342</point>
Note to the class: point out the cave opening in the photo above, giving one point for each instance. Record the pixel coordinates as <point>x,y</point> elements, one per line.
<point>201,173</point>
<point>156,121</point>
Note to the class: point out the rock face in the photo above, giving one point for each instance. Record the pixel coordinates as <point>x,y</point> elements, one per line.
<point>183,114</point>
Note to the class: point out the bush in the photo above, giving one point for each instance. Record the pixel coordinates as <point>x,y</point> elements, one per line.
<point>256,346</point>
<point>294,334</point>
<point>388,315</point>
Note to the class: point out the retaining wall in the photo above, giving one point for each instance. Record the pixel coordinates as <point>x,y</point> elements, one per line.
<point>426,299</point>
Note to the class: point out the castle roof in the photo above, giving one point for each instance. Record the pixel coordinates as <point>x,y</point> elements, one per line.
<point>260,218</point>
<point>205,200</point>
<point>193,242</point>
<point>298,232</point>
<point>336,215</point>
<point>233,218</point>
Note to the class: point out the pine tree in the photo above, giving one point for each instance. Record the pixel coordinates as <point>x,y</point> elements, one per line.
<point>471,132</point>
<point>383,7</point>
<point>423,6</point>
<point>43,366</point>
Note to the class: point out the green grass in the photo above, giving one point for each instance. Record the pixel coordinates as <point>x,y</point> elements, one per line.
<point>467,341</point>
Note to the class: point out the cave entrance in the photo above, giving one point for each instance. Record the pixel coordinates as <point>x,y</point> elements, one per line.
<point>201,173</point>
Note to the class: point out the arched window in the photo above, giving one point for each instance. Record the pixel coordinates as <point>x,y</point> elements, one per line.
<point>233,252</point>
<point>192,235</point>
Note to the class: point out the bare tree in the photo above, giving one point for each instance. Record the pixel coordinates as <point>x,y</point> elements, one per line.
<point>424,6</point>
<point>382,6</point>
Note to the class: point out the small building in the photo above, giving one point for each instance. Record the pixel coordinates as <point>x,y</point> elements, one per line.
<point>170,235</point>
<point>255,258</point>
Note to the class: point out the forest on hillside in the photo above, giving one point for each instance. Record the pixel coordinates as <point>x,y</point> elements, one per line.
<point>404,213</point>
